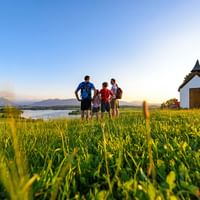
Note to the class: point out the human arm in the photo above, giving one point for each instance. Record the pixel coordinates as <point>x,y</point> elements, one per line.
<point>76,92</point>
<point>94,89</point>
<point>77,96</point>
<point>111,94</point>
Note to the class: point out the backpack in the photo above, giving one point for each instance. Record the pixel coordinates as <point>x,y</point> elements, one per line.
<point>119,93</point>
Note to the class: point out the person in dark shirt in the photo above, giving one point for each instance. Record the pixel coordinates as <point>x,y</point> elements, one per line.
<point>86,88</point>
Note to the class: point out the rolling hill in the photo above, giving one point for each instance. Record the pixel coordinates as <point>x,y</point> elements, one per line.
<point>5,102</point>
<point>60,103</point>
<point>56,102</point>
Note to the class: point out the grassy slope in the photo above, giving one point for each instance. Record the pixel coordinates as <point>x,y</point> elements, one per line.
<point>76,160</point>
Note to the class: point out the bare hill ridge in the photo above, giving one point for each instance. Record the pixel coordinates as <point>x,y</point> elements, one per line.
<point>5,102</point>
<point>60,102</point>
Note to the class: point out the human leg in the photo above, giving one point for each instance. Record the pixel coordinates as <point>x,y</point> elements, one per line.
<point>97,115</point>
<point>82,114</point>
<point>88,114</point>
<point>108,109</point>
<point>82,109</point>
<point>117,108</point>
<point>86,107</point>
<point>114,107</point>
<point>95,111</point>
<point>103,109</point>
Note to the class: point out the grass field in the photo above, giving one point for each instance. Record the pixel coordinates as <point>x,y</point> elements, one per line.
<point>125,158</point>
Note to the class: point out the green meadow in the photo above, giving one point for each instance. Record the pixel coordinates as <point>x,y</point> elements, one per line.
<point>126,158</point>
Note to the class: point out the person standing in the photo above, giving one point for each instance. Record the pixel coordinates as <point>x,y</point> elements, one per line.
<point>106,95</point>
<point>86,88</point>
<point>96,103</point>
<point>114,101</point>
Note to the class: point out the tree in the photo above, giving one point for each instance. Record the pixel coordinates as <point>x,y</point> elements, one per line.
<point>8,112</point>
<point>171,103</point>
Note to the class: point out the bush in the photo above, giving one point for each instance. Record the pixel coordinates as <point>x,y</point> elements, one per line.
<point>8,112</point>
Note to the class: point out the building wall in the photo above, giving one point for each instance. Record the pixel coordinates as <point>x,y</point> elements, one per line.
<point>184,92</point>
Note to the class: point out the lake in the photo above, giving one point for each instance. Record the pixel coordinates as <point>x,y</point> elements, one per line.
<point>48,114</point>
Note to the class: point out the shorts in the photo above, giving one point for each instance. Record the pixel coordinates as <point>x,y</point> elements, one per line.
<point>86,104</point>
<point>105,106</point>
<point>114,103</point>
<point>95,109</point>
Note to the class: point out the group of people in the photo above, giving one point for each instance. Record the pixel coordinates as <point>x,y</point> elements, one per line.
<point>104,99</point>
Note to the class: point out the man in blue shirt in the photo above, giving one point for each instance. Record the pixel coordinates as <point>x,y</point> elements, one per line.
<point>86,88</point>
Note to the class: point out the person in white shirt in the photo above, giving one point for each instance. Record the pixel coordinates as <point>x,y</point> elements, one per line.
<point>114,101</point>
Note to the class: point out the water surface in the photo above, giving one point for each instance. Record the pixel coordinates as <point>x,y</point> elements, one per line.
<point>48,114</point>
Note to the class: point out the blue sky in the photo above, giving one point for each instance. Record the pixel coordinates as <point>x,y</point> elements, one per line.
<point>48,46</point>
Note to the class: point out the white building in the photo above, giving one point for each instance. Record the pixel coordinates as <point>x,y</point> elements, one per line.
<point>190,89</point>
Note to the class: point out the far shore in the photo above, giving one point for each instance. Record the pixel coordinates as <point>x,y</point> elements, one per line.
<point>48,107</point>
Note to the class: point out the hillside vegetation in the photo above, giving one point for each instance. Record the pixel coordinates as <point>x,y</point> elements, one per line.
<point>125,158</point>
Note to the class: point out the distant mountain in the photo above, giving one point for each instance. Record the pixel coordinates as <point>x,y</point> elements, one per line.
<point>74,102</point>
<point>138,104</point>
<point>5,102</point>
<point>24,102</point>
<point>132,103</point>
<point>56,102</point>
<point>71,102</point>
